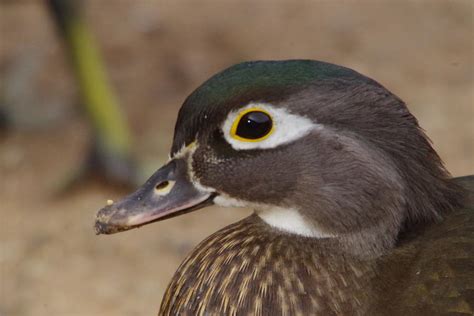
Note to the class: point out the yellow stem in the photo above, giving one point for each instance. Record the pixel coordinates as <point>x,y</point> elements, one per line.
<point>101,104</point>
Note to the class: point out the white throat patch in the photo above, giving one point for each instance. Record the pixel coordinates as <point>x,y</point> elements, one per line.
<point>291,221</point>
<point>285,219</point>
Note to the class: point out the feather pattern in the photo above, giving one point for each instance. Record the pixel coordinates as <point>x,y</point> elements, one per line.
<point>249,268</point>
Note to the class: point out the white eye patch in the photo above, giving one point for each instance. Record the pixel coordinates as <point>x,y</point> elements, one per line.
<point>287,127</point>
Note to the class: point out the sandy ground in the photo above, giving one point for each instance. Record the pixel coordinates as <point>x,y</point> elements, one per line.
<point>156,53</point>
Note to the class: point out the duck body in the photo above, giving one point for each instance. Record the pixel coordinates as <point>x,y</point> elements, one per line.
<point>431,271</point>
<point>355,213</point>
<point>248,268</point>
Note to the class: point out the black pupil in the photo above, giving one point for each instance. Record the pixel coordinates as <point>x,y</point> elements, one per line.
<point>254,125</point>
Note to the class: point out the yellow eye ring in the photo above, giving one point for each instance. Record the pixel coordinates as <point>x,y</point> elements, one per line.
<point>252,129</point>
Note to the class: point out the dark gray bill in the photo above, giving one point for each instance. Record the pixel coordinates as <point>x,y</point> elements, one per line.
<point>169,192</point>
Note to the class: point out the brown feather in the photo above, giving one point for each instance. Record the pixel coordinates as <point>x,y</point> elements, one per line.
<point>248,268</point>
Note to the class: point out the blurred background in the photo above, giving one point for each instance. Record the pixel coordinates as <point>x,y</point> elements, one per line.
<point>155,53</point>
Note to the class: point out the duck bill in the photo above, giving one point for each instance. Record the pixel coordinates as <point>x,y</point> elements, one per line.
<point>167,193</point>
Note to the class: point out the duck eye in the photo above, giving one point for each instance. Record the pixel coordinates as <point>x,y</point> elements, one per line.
<point>253,125</point>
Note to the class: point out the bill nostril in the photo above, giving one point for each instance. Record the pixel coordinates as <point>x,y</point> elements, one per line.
<point>164,187</point>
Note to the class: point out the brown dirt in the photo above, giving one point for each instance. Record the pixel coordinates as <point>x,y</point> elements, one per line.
<point>156,53</point>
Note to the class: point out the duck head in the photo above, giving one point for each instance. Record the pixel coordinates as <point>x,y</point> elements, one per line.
<point>316,149</point>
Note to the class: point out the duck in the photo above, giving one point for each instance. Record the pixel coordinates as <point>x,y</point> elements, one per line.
<point>354,211</point>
